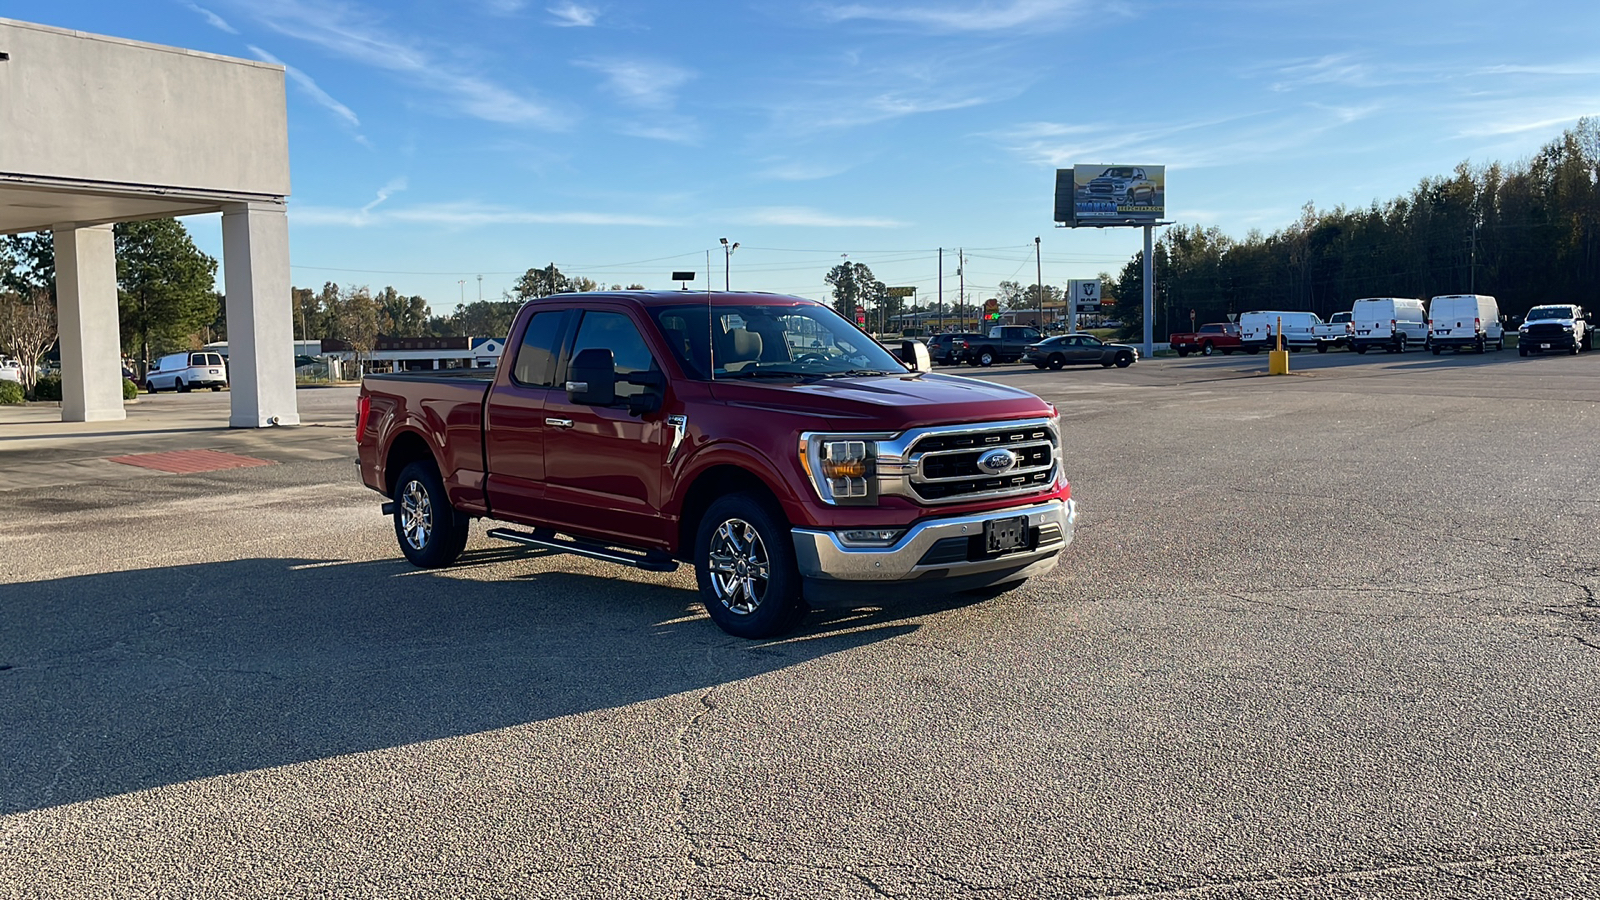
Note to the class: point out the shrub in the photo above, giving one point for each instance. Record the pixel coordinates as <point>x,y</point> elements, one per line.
<point>48,387</point>
<point>11,393</point>
<point>130,391</point>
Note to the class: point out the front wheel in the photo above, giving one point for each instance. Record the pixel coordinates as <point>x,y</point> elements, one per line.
<point>745,568</point>
<point>1057,360</point>
<point>986,358</point>
<point>431,533</point>
<point>1124,359</point>
<point>1205,349</point>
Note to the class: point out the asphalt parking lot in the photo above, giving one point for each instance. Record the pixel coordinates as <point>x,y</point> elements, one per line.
<point>1333,635</point>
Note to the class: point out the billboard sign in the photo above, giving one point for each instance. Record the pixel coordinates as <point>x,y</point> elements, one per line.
<point>1111,195</point>
<point>1085,294</point>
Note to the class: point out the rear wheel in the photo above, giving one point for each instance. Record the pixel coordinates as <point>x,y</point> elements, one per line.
<point>986,357</point>
<point>1322,346</point>
<point>431,533</point>
<point>1205,349</point>
<point>179,386</point>
<point>1183,351</point>
<point>745,568</point>
<point>1482,344</point>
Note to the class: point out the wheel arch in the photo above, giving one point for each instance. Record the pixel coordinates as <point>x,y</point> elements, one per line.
<point>405,448</point>
<point>715,480</point>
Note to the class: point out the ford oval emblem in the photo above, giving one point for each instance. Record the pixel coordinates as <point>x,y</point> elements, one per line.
<point>997,462</point>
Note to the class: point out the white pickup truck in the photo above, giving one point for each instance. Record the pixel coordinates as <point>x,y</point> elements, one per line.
<point>1336,332</point>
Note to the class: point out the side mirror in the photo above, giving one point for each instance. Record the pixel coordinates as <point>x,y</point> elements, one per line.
<point>592,378</point>
<point>915,354</point>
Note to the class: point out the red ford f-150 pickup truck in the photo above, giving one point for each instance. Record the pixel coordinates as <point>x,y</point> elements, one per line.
<point>762,438</point>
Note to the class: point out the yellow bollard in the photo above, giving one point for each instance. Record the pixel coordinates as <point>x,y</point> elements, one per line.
<point>1278,360</point>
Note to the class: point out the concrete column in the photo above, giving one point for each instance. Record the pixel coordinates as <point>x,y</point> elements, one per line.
<point>86,314</point>
<point>255,256</point>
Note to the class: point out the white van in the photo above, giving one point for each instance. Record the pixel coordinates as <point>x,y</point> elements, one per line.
<point>183,371</point>
<point>1465,320</point>
<point>1258,330</point>
<point>1393,323</point>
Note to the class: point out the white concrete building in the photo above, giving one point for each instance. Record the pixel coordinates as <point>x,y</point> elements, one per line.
<point>97,130</point>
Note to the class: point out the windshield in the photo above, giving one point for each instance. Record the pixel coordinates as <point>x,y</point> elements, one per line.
<point>1549,312</point>
<point>803,340</point>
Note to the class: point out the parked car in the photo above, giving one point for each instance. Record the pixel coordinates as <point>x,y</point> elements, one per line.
<point>10,369</point>
<point>1211,337</point>
<point>951,349</point>
<point>1393,323</point>
<point>1465,321</point>
<point>1555,326</point>
<point>1078,349</point>
<point>183,372</point>
<point>652,428</point>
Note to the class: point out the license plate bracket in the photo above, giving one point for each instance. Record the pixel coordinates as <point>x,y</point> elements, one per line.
<point>1006,535</point>
<point>1544,346</point>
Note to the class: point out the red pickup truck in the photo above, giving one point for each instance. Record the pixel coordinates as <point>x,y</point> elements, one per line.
<point>1223,336</point>
<point>762,438</point>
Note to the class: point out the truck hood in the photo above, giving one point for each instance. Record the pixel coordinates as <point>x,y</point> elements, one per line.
<point>887,402</point>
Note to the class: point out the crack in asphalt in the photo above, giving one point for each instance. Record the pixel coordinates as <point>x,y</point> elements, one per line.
<point>1443,867</point>
<point>680,800</point>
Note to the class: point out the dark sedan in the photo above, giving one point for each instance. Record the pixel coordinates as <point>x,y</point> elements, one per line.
<point>1078,349</point>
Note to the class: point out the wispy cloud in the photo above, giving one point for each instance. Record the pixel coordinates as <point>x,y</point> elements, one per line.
<point>348,32</point>
<point>573,15</point>
<point>804,170</point>
<point>212,19</point>
<point>393,187</point>
<point>963,17</point>
<point>641,83</point>
<point>805,217</point>
<point>305,83</point>
<point>461,216</point>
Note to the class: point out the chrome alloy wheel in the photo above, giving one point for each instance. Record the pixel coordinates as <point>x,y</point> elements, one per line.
<point>739,566</point>
<point>416,515</point>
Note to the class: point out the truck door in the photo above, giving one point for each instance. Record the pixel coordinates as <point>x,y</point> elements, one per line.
<point>513,428</point>
<point>602,466</point>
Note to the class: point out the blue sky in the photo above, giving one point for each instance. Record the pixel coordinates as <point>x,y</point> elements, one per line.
<point>433,142</point>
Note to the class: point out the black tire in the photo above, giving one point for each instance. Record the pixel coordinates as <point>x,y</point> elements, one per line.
<point>754,591</point>
<point>1436,349</point>
<point>149,387</point>
<point>1124,359</point>
<point>1057,360</point>
<point>215,388</point>
<point>1322,346</point>
<point>1482,344</point>
<point>1522,351</point>
<point>1500,344</point>
<point>430,531</point>
<point>1359,348</point>
<point>1205,349</point>
<point>987,357</point>
<point>1573,350</point>
<point>1183,351</point>
<point>1401,348</point>
<point>179,386</point>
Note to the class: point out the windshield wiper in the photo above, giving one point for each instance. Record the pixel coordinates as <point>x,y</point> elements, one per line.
<point>857,373</point>
<point>762,373</point>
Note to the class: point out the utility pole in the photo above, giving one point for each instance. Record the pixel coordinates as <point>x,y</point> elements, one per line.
<point>1038,265</point>
<point>727,255</point>
<point>961,287</point>
<point>480,288</point>
<point>463,283</point>
<point>941,289</point>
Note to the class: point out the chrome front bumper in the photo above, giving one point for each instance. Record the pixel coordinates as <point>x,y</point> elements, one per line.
<point>823,555</point>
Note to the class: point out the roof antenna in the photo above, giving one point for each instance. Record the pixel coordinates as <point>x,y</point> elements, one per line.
<point>711,339</point>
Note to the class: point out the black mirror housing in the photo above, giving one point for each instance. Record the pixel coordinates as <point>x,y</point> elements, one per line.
<point>592,378</point>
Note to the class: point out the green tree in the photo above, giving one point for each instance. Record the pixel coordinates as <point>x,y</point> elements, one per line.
<point>353,316</point>
<point>543,282</point>
<point>165,286</point>
<point>28,264</point>
<point>402,316</point>
<point>485,318</point>
<point>853,287</point>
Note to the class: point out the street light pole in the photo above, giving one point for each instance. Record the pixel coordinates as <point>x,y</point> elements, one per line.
<point>727,254</point>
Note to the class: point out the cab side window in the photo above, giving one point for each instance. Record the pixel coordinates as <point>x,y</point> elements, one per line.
<point>535,365</point>
<point>617,333</point>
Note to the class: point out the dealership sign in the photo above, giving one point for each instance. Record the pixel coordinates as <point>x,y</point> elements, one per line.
<point>1085,294</point>
<point>1110,195</point>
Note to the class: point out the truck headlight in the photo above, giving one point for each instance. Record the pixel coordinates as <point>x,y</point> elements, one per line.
<point>843,468</point>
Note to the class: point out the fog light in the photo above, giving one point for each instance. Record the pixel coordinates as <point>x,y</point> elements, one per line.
<point>877,537</point>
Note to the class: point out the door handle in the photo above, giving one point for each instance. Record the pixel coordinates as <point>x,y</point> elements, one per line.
<point>558,423</point>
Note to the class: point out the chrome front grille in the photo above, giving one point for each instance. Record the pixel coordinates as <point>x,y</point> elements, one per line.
<point>940,465</point>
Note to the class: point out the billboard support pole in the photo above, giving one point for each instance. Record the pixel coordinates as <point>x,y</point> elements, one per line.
<point>1149,294</point>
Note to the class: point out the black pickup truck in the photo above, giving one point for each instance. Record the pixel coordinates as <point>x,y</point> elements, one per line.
<point>1005,343</point>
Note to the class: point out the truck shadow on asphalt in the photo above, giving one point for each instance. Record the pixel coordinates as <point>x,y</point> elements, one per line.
<point>124,681</point>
